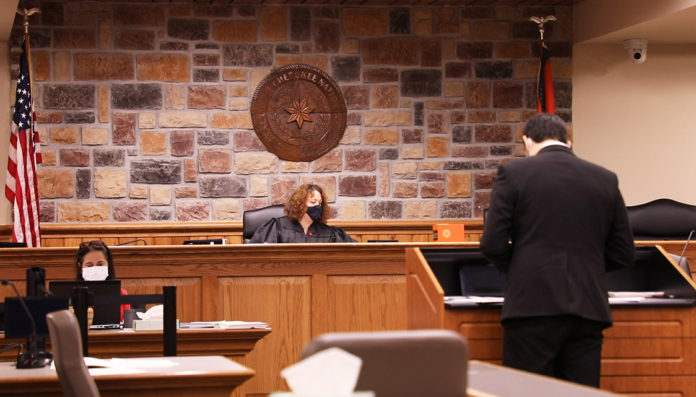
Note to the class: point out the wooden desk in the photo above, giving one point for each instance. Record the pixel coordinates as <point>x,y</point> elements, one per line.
<point>232,343</point>
<point>649,349</point>
<point>489,380</point>
<point>300,290</point>
<point>213,376</point>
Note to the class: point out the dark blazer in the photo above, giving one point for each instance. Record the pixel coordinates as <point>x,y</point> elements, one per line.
<point>555,225</point>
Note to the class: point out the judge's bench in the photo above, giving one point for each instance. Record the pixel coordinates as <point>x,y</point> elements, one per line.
<point>302,291</point>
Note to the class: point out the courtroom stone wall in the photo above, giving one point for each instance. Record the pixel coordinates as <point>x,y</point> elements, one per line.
<point>143,107</point>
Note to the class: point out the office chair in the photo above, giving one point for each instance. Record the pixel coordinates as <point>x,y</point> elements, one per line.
<point>416,363</point>
<point>66,342</point>
<point>253,219</point>
<point>662,219</point>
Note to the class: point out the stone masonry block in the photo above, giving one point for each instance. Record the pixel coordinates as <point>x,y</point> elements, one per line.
<point>217,161</point>
<point>103,66</point>
<point>227,210</point>
<point>80,211</point>
<point>153,143</point>
<point>55,183</point>
<point>255,163</point>
<point>73,96</point>
<point>274,23</point>
<point>110,183</point>
<point>164,67</point>
<point>136,96</point>
<point>390,51</point>
<point>183,119</point>
<point>64,135</point>
<point>365,22</point>
<point>420,209</point>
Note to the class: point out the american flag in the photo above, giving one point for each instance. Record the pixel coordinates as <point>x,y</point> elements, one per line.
<point>21,186</point>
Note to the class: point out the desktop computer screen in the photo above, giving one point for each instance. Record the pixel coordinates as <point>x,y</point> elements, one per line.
<point>17,322</point>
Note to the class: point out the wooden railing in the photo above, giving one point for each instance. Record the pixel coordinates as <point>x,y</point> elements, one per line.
<point>71,235</point>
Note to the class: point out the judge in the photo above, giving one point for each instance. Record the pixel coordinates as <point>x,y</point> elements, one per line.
<point>305,219</point>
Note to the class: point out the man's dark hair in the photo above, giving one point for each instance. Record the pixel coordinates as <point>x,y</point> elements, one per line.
<point>543,126</point>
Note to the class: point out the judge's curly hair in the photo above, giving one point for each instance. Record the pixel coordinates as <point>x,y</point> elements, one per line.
<point>297,205</point>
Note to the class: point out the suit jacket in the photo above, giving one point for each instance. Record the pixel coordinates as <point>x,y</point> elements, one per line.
<point>555,225</point>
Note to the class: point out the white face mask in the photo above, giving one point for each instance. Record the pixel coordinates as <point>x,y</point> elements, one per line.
<point>95,273</point>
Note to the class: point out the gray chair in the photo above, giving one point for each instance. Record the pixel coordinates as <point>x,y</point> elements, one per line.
<point>416,363</point>
<point>66,343</point>
<point>253,219</point>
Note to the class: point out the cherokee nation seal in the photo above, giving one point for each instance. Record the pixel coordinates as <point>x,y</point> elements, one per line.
<point>298,112</point>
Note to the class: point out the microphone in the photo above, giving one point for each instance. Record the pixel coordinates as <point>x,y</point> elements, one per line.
<point>132,241</point>
<point>681,257</point>
<point>32,358</point>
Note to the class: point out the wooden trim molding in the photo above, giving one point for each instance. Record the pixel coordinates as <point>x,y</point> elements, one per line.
<point>174,233</point>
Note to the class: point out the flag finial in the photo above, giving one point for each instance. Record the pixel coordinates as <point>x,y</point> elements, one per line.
<point>540,21</point>
<point>26,14</point>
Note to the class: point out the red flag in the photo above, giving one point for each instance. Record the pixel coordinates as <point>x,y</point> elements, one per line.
<point>21,185</point>
<point>545,99</point>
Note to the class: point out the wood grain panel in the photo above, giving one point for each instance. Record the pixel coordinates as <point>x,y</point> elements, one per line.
<point>638,329</point>
<point>364,303</point>
<point>174,233</point>
<point>648,345</point>
<point>188,293</point>
<point>284,303</point>
<point>651,385</point>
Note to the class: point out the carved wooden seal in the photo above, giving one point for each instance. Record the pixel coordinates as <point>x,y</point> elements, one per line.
<point>298,112</point>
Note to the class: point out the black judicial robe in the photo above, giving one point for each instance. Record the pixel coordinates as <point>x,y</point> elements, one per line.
<point>286,230</point>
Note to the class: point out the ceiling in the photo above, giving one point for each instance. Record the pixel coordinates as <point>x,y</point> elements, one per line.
<point>676,27</point>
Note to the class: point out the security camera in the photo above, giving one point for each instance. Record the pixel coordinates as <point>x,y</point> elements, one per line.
<point>637,49</point>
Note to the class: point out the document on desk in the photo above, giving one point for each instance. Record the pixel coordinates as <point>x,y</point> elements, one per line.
<point>468,299</point>
<point>224,324</point>
<point>240,324</point>
<point>636,294</point>
<point>119,366</point>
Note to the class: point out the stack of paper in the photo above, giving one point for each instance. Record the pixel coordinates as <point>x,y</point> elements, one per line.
<point>240,324</point>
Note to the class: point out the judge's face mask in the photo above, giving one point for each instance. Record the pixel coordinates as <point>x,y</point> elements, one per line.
<point>95,273</point>
<point>314,212</point>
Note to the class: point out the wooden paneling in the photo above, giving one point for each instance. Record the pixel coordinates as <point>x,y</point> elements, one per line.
<point>282,302</point>
<point>300,290</point>
<point>188,293</point>
<point>71,235</point>
<point>366,303</point>
<point>650,351</point>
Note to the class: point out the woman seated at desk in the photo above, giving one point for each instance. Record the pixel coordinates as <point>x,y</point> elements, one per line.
<point>94,263</point>
<point>305,219</point>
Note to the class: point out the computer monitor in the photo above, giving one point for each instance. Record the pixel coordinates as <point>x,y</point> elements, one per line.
<point>17,323</point>
<point>104,313</point>
<point>465,271</point>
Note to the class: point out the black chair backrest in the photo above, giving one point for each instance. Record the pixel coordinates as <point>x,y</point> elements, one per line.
<point>253,219</point>
<point>662,219</point>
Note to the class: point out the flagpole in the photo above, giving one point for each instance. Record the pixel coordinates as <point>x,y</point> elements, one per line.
<point>21,186</point>
<point>545,98</point>
<point>26,14</point>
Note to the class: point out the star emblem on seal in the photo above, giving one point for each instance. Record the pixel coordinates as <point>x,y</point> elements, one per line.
<point>299,112</point>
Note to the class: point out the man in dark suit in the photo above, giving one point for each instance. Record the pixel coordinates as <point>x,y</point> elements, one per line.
<point>555,225</point>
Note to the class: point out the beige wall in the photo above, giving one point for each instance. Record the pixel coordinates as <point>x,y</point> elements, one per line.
<point>5,103</point>
<point>638,120</point>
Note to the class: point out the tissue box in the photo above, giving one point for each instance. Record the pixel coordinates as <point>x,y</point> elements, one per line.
<point>291,394</point>
<point>150,325</point>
